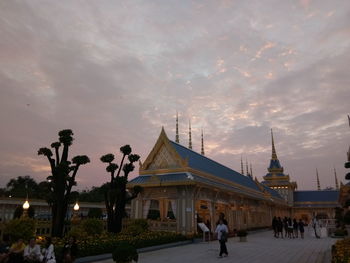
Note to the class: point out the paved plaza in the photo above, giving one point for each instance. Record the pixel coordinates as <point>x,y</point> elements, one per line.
<point>261,247</point>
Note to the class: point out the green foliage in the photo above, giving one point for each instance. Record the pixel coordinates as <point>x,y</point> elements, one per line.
<point>347,218</point>
<point>133,230</point>
<point>21,186</point>
<point>66,137</point>
<point>340,232</point>
<point>107,158</point>
<point>85,228</point>
<point>20,228</point>
<point>107,242</point>
<point>92,226</point>
<point>126,149</point>
<point>19,211</point>
<point>95,212</point>
<point>242,233</point>
<point>62,178</point>
<point>125,253</point>
<point>78,232</point>
<point>141,222</point>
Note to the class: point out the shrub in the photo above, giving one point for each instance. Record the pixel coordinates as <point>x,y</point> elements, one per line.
<point>95,212</point>
<point>92,226</point>
<point>125,253</point>
<point>347,218</point>
<point>20,228</point>
<point>340,232</point>
<point>133,230</point>
<point>341,251</point>
<point>78,232</point>
<point>242,233</point>
<point>141,222</point>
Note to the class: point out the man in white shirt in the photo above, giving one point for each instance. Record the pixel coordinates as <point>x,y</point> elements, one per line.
<point>222,233</point>
<point>32,252</point>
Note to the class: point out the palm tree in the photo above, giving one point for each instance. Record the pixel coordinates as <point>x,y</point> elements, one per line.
<point>62,179</point>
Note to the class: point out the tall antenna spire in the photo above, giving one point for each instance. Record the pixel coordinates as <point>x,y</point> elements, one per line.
<point>177,129</point>
<point>251,170</point>
<point>202,148</point>
<point>336,179</point>
<point>318,180</point>
<point>242,170</point>
<point>189,135</point>
<point>246,164</point>
<point>274,154</point>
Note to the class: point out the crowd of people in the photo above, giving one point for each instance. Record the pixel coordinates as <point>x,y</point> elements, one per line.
<point>291,228</point>
<point>19,252</point>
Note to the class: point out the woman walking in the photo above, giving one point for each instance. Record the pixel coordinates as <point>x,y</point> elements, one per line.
<point>301,228</point>
<point>222,232</point>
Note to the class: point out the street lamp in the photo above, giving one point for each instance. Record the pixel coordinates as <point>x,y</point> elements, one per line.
<point>76,207</point>
<point>25,206</point>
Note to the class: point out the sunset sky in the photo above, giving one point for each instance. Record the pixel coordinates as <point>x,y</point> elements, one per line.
<point>115,72</point>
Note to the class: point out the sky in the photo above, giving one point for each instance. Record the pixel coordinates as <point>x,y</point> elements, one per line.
<point>115,72</point>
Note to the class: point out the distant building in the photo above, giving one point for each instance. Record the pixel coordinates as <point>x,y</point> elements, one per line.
<point>183,187</point>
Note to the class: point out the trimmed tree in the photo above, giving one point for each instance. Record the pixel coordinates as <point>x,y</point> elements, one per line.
<point>116,195</point>
<point>62,179</point>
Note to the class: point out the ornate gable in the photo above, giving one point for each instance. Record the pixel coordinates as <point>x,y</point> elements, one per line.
<point>162,156</point>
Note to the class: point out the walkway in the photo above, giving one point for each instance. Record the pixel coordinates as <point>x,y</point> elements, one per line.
<point>261,247</point>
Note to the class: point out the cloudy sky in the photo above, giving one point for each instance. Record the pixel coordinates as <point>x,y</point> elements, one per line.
<point>115,72</point>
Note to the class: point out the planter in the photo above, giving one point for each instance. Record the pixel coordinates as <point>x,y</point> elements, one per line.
<point>243,239</point>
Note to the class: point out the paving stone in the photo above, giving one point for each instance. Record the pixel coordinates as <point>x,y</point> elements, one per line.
<point>261,247</point>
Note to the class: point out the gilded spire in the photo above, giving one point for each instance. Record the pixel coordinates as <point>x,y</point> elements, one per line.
<point>177,129</point>
<point>202,148</point>
<point>246,164</point>
<point>189,135</point>
<point>242,170</point>
<point>251,170</point>
<point>274,154</point>
<point>336,179</point>
<point>318,180</point>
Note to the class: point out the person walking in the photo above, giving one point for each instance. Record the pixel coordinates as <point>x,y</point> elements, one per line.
<point>301,228</point>
<point>279,227</point>
<point>290,228</point>
<point>315,226</point>
<point>275,226</point>
<point>222,234</point>
<point>295,228</point>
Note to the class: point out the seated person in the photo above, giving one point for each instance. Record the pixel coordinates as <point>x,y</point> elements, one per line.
<point>16,251</point>
<point>4,251</point>
<point>32,252</point>
<point>49,252</point>
<point>70,250</point>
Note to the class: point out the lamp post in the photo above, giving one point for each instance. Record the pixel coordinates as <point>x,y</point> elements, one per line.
<point>76,208</point>
<point>25,206</point>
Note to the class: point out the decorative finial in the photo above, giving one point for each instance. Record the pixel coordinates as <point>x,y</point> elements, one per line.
<point>177,129</point>
<point>189,136</point>
<point>202,148</point>
<point>336,179</point>
<point>251,170</point>
<point>246,164</point>
<point>318,180</point>
<point>274,154</point>
<point>242,170</point>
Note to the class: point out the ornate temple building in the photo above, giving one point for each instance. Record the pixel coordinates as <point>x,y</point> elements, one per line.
<point>183,187</point>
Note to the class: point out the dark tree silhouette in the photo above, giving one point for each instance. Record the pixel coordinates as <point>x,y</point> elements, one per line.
<point>22,186</point>
<point>62,179</point>
<point>116,195</point>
